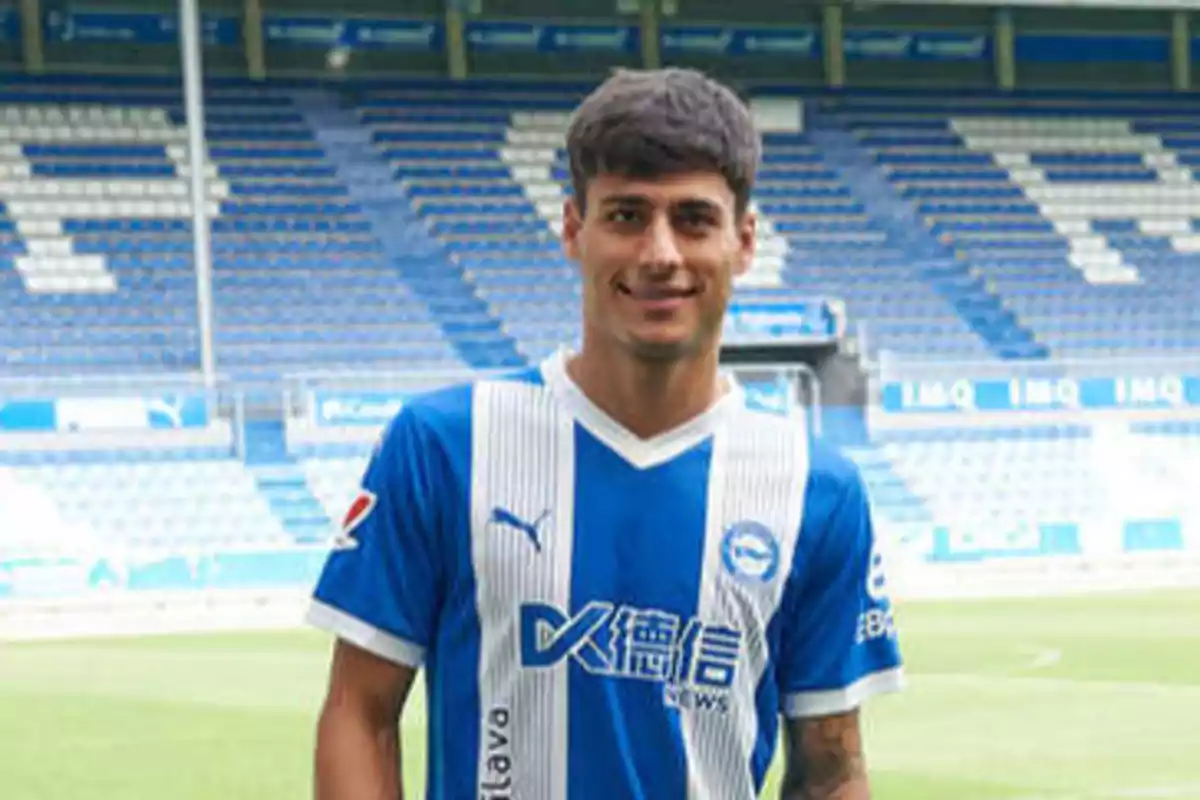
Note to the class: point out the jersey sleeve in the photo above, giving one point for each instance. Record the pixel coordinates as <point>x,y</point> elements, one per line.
<point>380,585</point>
<point>838,640</point>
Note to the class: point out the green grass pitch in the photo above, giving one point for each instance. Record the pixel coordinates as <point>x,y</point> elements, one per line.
<point>1085,698</point>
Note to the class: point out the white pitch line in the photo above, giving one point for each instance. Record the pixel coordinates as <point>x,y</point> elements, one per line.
<point>1189,690</point>
<point>1046,658</point>
<point>1043,657</point>
<point>1168,792</point>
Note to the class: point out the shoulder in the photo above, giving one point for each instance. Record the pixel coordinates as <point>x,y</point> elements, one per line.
<point>829,477</point>
<point>442,417</point>
<point>439,414</point>
<point>835,516</point>
<point>833,480</point>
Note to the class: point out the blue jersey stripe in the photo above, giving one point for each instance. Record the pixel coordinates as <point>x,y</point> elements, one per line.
<point>602,615</point>
<point>638,547</point>
<point>452,668</point>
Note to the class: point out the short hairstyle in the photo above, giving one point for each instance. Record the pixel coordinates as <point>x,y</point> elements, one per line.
<point>648,123</point>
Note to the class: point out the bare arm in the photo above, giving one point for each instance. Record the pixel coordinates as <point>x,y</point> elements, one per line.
<point>358,748</point>
<point>824,759</point>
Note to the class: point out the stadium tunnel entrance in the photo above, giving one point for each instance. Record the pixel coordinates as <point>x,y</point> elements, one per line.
<point>824,378</point>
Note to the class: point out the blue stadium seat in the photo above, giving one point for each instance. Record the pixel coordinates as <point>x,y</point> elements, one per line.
<point>418,230</point>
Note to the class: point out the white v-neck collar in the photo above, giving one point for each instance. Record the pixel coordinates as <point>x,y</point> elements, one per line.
<point>639,452</point>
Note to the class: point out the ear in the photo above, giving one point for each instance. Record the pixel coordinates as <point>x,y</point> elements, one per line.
<point>572,223</point>
<point>747,233</point>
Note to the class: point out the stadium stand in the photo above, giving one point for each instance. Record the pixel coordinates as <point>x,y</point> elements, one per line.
<point>492,189</point>
<point>330,265</point>
<point>185,504</point>
<point>979,239</point>
<point>1079,217</point>
<point>97,213</point>
<point>416,230</point>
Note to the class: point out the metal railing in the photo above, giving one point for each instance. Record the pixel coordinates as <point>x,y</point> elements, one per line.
<point>891,367</point>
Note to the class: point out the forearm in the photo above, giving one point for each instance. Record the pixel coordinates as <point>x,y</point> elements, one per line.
<point>825,760</point>
<point>357,758</point>
<point>847,788</point>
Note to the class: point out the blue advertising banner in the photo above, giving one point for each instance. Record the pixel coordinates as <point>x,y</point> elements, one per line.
<point>28,415</point>
<point>916,45</point>
<point>802,42</point>
<point>1067,48</point>
<point>726,41</point>
<point>334,409</point>
<point>362,34</point>
<point>10,25</point>
<point>1174,5</point>
<point>221,30</point>
<point>164,412</point>
<point>1041,394</point>
<point>766,319</point>
<point>532,37</point>
<point>132,27</point>
<point>1016,538</point>
<point>61,25</point>
<point>25,578</point>
<point>773,396</point>
<point>146,27</point>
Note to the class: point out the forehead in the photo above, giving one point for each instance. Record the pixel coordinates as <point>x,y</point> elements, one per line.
<point>664,190</point>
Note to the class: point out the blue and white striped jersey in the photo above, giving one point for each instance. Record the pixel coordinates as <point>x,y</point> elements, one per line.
<point>605,616</point>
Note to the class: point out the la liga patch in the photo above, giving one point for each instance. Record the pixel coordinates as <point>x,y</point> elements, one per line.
<point>359,510</point>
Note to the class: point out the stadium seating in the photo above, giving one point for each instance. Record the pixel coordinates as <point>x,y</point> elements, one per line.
<point>420,229</point>
<point>162,505</point>
<point>335,481</point>
<point>489,176</point>
<point>417,230</point>
<point>1080,217</point>
<point>97,217</point>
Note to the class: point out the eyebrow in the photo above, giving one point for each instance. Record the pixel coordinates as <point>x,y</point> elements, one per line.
<point>692,205</point>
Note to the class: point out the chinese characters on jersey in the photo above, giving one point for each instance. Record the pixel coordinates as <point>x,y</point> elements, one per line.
<point>686,655</point>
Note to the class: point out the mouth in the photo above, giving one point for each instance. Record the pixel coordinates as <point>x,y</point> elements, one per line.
<point>657,295</point>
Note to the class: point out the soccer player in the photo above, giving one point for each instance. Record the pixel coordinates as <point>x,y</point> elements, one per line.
<point>617,577</point>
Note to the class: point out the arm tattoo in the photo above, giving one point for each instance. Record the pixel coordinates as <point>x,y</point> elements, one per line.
<point>825,759</point>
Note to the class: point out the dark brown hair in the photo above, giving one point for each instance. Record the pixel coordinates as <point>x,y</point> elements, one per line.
<point>647,123</point>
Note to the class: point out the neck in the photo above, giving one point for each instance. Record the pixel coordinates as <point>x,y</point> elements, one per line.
<point>646,397</point>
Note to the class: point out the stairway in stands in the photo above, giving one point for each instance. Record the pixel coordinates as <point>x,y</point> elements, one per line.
<point>933,261</point>
<point>283,483</point>
<point>420,258</point>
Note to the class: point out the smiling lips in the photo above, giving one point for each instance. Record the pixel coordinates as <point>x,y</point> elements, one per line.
<point>658,296</point>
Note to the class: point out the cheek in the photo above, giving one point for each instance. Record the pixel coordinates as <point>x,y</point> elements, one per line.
<point>721,290</point>
<point>602,264</point>
<point>599,279</point>
<point>717,274</point>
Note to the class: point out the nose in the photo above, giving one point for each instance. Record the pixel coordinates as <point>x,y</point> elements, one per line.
<point>660,251</point>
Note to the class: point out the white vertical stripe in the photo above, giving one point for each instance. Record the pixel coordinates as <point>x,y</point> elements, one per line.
<point>758,475</point>
<point>523,456</point>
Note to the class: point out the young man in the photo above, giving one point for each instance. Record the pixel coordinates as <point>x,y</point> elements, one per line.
<point>616,576</point>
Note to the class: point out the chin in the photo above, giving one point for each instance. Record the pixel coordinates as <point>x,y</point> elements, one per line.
<point>662,348</point>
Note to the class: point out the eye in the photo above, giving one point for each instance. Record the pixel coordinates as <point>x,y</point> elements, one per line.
<point>694,221</point>
<point>624,216</point>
